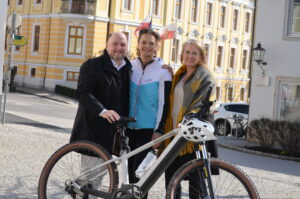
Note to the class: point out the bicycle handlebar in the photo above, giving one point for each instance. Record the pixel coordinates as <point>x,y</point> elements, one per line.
<point>123,121</point>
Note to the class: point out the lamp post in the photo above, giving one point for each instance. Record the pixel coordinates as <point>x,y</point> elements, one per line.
<point>258,54</point>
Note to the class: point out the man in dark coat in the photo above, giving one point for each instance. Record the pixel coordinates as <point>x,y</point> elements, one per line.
<point>103,93</point>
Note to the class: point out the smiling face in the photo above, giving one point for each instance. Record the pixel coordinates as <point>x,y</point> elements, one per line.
<point>116,46</point>
<point>147,45</point>
<point>191,55</point>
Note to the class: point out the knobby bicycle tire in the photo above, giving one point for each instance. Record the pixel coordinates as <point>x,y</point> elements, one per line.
<point>65,165</point>
<point>228,181</point>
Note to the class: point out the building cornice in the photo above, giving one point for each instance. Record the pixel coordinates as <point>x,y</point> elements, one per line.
<point>131,23</point>
<point>247,3</point>
<point>73,68</point>
<point>67,16</point>
<point>219,77</point>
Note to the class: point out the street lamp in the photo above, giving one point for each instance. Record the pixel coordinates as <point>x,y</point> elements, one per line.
<point>259,53</point>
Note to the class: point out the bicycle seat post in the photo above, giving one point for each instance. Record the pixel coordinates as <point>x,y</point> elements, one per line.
<point>123,138</point>
<point>123,141</point>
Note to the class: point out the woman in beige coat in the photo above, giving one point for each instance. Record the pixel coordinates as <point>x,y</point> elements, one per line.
<point>189,88</point>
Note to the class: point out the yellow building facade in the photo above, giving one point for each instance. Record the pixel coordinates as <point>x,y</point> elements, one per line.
<point>62,34</point>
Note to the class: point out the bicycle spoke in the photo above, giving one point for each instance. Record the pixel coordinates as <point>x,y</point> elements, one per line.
<point>65,167</point>
<point>230,183</point>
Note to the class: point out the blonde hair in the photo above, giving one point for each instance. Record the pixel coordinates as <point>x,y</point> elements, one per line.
<point>202,61</point>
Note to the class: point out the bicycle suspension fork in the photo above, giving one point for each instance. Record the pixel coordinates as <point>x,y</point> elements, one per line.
<point>201,153</point>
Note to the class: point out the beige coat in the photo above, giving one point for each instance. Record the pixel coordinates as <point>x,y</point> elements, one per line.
<point>195,89</point>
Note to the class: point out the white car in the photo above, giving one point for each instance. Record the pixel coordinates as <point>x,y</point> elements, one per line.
<point>225,114</point>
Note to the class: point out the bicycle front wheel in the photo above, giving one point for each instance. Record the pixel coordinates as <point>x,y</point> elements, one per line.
<point>68,164</point>
<point>229,182</point>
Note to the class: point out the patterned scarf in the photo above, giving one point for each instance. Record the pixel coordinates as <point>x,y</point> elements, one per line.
<point>195,88</point>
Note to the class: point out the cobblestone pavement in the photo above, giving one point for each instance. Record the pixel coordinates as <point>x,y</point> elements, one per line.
<point>25,149</point>
<point>274,185</point>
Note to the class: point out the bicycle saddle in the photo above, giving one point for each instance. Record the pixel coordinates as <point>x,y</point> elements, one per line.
<point>123,121</point>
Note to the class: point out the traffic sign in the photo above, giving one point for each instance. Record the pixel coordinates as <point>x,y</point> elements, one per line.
<point>19,40</point>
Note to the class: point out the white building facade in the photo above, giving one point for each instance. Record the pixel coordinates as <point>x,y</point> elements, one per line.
<point>276,95</point>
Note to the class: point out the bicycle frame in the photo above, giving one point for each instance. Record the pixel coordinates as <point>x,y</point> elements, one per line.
<point>160,165</point>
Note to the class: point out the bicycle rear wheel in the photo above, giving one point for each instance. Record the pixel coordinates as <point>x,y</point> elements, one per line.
<point>65,166</point>
<point>231,182</point>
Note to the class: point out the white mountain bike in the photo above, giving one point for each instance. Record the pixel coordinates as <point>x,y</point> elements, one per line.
<point>62,176</point>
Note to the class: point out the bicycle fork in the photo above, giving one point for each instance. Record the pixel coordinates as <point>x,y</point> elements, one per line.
<point>124,150</point>
<point>201,152</point>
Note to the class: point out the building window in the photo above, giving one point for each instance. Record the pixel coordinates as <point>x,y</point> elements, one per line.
<point>36,38</point>
<point>194,10</point>
<point>72,76</point>
<point>222,17</point>
<point>244,59</point>
<point>8,2</point>
<point>247,22</point>
<point>230,94</point>
<point>232,58</point>
<point>175,50</point>
<point>127,5</point>
<point>219,56</point>
<point>242,94</point>
<point>38,1</point>
<point>20,2</point>
<point>155,7</point>
<point>209,13</point>
<point>235,19</point>
<point>218,93</point>
<point>127,34</point>
<point>75,40</point>
<point>32,72</point>
<point>178,9</point>
<point>288,106</point>
<point>294,17</point>
<point>207,50</point>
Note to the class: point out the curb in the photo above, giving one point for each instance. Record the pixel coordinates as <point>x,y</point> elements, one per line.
<point>259,153</point>
<point>46,97</point>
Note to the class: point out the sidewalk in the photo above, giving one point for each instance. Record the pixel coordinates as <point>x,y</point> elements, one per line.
<point>229,142</point>
<point>240,144</point>
<point>47,94</point>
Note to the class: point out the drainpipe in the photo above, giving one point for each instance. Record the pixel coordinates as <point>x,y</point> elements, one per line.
<point>251,63</point>
<point>252,44</point>
<point>49,33</point>
<point>109,17</point>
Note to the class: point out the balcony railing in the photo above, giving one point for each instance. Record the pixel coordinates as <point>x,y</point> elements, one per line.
<point>78,6</point>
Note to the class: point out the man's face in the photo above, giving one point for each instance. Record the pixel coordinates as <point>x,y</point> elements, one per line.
<point>117,46</point>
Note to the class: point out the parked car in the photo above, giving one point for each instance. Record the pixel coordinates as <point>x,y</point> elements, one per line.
<point>227,115</point>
